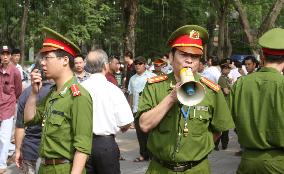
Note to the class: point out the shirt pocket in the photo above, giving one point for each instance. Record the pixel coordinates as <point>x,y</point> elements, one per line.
<point>7,88</point>
<point>198,123</point>
<point>58,127</point>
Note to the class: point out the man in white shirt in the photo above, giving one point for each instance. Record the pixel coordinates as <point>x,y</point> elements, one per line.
<point>111,114</point>
<point>136,85</point>
<point>212,72</point>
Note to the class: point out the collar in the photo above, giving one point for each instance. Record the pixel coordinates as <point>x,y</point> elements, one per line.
<point>65,89</point>
<point>268,69</point>
<point>7,71</point>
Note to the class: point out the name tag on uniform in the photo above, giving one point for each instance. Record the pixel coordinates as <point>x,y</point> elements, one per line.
<point>201,108</point>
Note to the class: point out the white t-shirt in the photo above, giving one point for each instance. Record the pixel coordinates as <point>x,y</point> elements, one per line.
<point>19,67</point>
<point>212,73</point>
<point>136,85</point>
<point>110,107</point>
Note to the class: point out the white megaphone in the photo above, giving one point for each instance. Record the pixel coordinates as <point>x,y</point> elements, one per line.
<point>190,92</point>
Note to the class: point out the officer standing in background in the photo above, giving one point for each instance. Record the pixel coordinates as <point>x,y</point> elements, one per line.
<point>65,113</point>
<point>257,107</point>
<point>181,141</point>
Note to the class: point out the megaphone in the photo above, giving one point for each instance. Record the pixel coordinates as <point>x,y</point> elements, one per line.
<point>191,92</point>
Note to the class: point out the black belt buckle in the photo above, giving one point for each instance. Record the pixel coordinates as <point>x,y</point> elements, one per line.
<point>179,168</point>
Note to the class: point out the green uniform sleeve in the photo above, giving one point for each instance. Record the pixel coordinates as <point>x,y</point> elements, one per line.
<point>222,119</point>
<point>146,100</point>
<point>82,122</point>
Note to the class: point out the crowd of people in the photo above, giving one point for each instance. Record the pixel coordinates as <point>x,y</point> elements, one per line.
<point>67,119</point>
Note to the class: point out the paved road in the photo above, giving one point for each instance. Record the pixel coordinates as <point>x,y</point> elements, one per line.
<point>222,162</point>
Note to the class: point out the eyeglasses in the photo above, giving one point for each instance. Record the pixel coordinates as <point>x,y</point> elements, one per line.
<point>139,63</point>
<point>47,57</point>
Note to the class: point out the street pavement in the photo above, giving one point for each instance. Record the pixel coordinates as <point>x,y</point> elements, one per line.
<point>222,161</point>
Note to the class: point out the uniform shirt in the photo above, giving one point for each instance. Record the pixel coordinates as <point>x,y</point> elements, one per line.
<point>31,141</point>
<point>136,86</point>
<point>257,106</point>
<point>212,73</point>
<point>111,109</point>
<point>224,82</point>
<point>10,90</point>
<point>164,142</point>
<point>68,122</point>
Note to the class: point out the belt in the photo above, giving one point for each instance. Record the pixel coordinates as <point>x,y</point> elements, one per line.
<point>46,161</point>
<point>101,136</point>
<point>179,167</point>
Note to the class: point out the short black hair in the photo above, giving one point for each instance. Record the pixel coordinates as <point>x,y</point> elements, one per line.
<point>274,58</point>
<point>215,61</point>
<point>80,55</point>
<point>16,51</point>
<point>128,54</point>
<point>111,57</point>
<point>252,58</point>
<point>62,53</point>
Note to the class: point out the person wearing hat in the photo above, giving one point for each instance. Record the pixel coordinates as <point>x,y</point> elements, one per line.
<point>158,65</point>
<point>181,137</point>
<point>256,103</point>
<point>65,113</point>
<point>225,84</point>
<point>10,90</point>
<point>136,85</point>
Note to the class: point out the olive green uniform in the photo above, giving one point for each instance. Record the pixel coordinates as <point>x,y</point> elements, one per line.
<point>257,105</point>
<point>67,126</point>
<point>167,142</point>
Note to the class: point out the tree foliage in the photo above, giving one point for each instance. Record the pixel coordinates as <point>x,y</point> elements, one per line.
<point>99,23</point>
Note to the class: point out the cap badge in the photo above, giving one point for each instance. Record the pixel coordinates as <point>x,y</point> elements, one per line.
<point>194,34</point>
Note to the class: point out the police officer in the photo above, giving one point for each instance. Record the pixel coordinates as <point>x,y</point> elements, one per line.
<point>181,137</point>
<point>65,113</point>
<point>257,107</point>
<point>158,65</point>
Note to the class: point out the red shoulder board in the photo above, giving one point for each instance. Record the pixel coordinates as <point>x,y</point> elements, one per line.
<point>75,90</point>
<point>210,84</point>
<point>157,79</point>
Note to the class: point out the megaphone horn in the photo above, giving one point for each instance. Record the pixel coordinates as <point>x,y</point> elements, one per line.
<point>191,92</point>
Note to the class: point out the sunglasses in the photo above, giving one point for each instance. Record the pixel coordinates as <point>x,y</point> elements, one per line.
<point>138,63</point>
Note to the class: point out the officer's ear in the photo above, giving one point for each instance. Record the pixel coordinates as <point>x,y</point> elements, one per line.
<point>65,60</point>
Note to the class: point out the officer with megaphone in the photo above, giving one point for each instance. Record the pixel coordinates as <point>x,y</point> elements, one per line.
<point>182,111</point>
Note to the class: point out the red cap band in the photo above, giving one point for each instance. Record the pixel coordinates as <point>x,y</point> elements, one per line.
<point>48,42</point>
<point>273,52</point>
<point>187,41</point>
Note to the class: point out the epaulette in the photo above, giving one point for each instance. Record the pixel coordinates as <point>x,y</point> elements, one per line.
<point>75,90</point>
<point>210,84</point>
<point>157,79</point>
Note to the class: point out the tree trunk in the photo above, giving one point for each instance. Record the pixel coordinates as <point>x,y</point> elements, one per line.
<point>23,30</point>
<point>211,26</point>
<point>130,9</point>
<point>227,45</point>
<point>222,8</point>
<point>271,17</point>
<point>267,23</point>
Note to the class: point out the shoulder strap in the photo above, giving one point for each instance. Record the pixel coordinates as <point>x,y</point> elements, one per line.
<point>157,79</point>
<point>210,84</point>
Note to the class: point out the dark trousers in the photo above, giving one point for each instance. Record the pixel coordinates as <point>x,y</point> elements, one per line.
<point>105,156</point>
<point>142,140</point>
<point>224,139</point>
